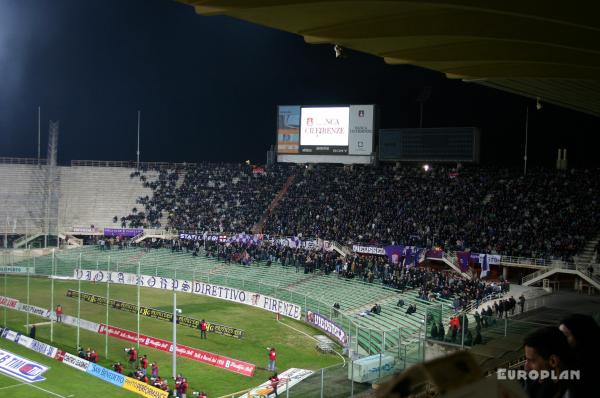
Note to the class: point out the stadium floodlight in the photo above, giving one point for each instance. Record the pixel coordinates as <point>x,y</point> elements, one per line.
<point>538,104</point>
<point>426,167</point>
<point>339,51</point>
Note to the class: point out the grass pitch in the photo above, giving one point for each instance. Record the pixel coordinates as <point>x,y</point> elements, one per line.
<point>61,381</point>
<point>294,348</point>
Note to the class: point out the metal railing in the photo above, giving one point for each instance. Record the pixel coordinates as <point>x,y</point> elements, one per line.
<point>535,274</point>
<point>508,260</point>
<point>575,265</point>
<point>583,268</point>
<point>363,338</point>
<point>31,161</point>
<point>20,226</point>
<point>341,249</point>
<point>132,164</point>
<point>451,259</point>
<point>449,256</point>
<point>406,348</point>
<point>160,232</point>
<point>490,297</point>
<point>524,260</point>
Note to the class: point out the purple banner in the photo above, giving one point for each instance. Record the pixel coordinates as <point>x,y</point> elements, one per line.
<point>127,232</point>
<point>365,249</point>
<point>491,258</point>
<point>464,258</point>
<point>327,326</point>
<point>395,253</point>
<point>184,236</point>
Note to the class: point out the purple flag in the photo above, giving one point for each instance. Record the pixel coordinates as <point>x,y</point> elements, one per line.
<point>408,259</point>
<point>394,253</point>
<point>485,267</point>
<point>128,232</point>
<point>463,260</point>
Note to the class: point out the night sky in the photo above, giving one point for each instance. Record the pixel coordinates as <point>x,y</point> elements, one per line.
<point>208,87</point>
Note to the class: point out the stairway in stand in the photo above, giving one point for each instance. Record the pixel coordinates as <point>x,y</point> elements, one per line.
<point>258,227</point>
<point>587,255</point>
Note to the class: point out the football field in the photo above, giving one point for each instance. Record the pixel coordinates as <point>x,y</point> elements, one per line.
<point>292,339</point>
<point>61,380</point>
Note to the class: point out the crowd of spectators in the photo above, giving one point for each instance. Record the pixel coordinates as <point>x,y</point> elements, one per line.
<point>434,285</point>
<point>219,197</point>
<point>301,259</point>
<point>547,214</point>
<point>484,316</point>
<point>431,284</point>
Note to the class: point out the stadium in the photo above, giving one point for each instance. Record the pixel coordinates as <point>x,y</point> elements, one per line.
<point>366,257</point>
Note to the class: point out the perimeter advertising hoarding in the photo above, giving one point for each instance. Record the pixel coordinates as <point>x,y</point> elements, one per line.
<point>157,314</point>
<point>143,389</point>
<point>328,326</point>
<point>287,380</point>
<point>17,270</point>
<point>30,371</point>
<point>21,368</point>
<point>195,287</point>
<point>226,363</point>
<point>76,362</point>
<point>11,303</point>
<point>107,375</point>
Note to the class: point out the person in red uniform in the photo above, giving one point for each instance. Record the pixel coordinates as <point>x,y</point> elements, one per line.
<point>178,380</point>
<point>144,365</point>
<point>272,359</point>
<point>160,383</point>
<point>183,386</point>
<point>132,357</point>
<point>154,370</point>
<point>203,329</point>
<point>118,367</point>
<point>202,395</point>
<point>59,313</point>
<point>274,383</point>
<point>93,357</point>
<point>165,385</point>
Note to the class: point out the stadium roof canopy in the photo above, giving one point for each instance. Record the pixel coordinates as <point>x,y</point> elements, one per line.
<point>536,48</point>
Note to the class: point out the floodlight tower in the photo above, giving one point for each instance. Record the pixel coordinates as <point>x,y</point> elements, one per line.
<point>51,188</point>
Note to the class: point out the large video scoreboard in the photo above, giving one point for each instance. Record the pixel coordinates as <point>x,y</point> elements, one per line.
<point>325,134</point>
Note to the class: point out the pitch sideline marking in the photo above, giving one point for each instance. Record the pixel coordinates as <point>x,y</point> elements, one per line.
<point>311,337</point>
<point>37,387</point>
<point>14,385</point>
